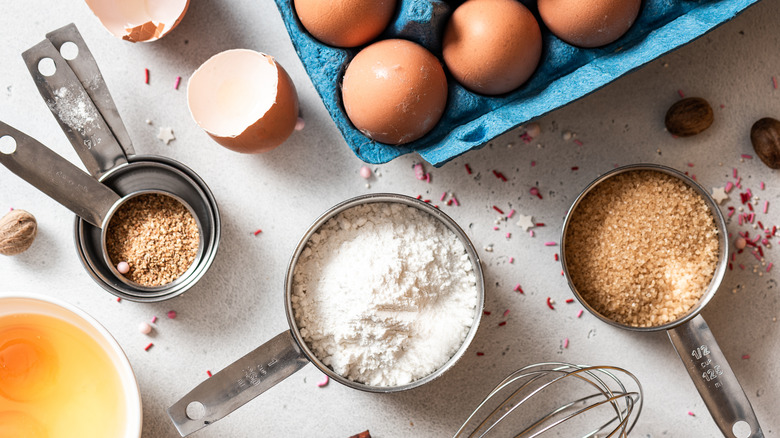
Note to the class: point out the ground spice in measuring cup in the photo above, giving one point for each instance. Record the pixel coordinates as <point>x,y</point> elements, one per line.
<point>156,235</point>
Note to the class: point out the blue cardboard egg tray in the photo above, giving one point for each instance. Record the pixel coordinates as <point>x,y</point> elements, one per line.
<point>470,120</point>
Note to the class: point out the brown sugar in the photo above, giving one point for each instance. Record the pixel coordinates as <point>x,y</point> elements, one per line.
<point>641,248</point>
<point>156,235</point>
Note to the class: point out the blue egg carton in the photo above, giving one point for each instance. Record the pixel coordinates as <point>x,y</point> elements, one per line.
<point>470,120</point>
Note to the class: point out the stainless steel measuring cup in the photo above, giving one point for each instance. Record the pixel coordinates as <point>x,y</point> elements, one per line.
<point>70,82</point>
<point>286,353</point>
<point>691,336</point>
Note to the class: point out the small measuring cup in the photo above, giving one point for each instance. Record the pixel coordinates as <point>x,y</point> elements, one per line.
<point>70,82</point>
<point>286,353</point>
<point>691,336</point>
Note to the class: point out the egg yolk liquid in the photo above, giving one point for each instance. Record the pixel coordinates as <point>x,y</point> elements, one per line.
<point>56,381</point>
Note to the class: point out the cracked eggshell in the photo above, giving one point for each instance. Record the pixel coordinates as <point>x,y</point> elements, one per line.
<point>591,23</point>
<point>394,91</point>
<point>244,100</point>
<point>139,20</point>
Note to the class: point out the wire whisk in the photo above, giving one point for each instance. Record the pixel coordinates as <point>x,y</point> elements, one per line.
<point>574,397</point>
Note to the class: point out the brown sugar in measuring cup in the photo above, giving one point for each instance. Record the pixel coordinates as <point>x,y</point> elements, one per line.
<point>642,255</point>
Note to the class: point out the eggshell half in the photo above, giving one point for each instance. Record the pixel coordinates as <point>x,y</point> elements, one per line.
<point>591,23</point>
<point>345,23</point>
<point>139,20</point>
<point>394,91</point>
<point>244,100</point>
<point>492,46</point>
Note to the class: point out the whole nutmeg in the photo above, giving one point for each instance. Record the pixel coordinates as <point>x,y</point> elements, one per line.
<point>689,116</point>
<point>17,232</point>
<point>765,136</point>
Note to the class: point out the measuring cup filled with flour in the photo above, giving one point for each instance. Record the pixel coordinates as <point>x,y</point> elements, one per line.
<point>383,293</point>
<point>644,249</point>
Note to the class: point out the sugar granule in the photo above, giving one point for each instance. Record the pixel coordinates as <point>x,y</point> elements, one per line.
<point>642,247</point>
<point>384,294</point>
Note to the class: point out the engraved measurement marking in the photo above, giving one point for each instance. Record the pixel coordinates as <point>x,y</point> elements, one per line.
<point>700,352</point>
<point>254,374</point>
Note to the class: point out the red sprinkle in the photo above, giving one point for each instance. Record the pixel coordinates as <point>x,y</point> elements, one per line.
<point>502,323</point>
<point>258,232</point>
<point>479,353</point>
<point>498,210</point>
<point>118,299</point>
<point>577,142</point>
<point>539,224</point>
<point>518,289</point>
<point>486,312</point>
<point>208,372</point>
<point>506,312</point>
<point>690,164</point>
<point>747,156</point>
<point>569,300</point>
<point>172,314</point>
<point>178,81</point>
<point>535,191</point>
<point>146,75</point>
<point>550,304</point>
<point>681,93</point>
<point>556,256</point>
<point>499,175</point>
<point>774,82</point>
<point>148,346</point>
<point>468,169</point>
<point>575,168</point>
<point>745,356</point>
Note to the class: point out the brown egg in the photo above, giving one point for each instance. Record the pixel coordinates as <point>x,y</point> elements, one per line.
<point>591,23</point>
<point>345,23</point>
<point>244,100</point>
<point>139,20</point>
<point>492,46</point>
<point>394,91</point>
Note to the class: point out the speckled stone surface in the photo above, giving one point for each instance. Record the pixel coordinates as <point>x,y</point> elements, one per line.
<point>239,303</point>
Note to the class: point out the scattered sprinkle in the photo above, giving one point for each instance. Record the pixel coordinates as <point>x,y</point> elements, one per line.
<point>769,267</point>
<point>508,235</point>
<point>691,414</point>
<point>766,206</point>
<point>123,267</point>
<point>578,143</point>
<point>257,232</point>
<point>569,300</point>
<point>535,192</point>
<point>324,382</point>
<point>148,346</point>
<point>511,213</point>
<point>499,175</point>
<point>498,210</point>
<point>566,343</point>
<point>154,319</point>
<point>419,171</point>
<point>479,353</point>
<point>146,75</point>
<point>518,289</point>
<point>118,299</point>
<point>745,356</point>
<point>468,169</point>
<point>550,303</point>
<point>166,135</point>
<point>550,243</point>
<point>172,314</point>
<point>556,256</point>
<point>511,259</point>
<point>486,312</point>
<point>208,373</point>
<point>365,173</point>
<point>144,328</point>
<point>502,323</point>
<point>178,81</point>
<point>680,92</point>
<point>506,312</point>
<point>443,195</point>
<point>300,124</point>
<point>774,82</point>
<point>579,314</point>
<point>575,168</point>
<point>747,156</point>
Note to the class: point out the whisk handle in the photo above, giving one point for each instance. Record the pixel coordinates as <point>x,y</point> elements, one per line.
<point>714,379</point>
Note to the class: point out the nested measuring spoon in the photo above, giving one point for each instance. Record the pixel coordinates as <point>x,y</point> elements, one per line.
<point>70,82</point>
<point>691,336</point>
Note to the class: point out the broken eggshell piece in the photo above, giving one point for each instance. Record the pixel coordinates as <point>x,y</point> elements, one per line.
<point>244,100</point>
<point>139,20</point>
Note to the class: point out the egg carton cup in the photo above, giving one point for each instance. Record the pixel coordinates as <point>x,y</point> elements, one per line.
<point>565,73</point>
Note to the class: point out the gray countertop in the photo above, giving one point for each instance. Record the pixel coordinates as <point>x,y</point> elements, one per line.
<point>239,303</point>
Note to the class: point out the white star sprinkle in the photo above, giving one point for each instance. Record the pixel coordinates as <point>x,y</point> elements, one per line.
<point>525,222</point>
<point>166,135</point>
<point>719,194</point>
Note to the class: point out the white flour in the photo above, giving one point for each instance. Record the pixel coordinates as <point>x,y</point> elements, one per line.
<point>384,294</point>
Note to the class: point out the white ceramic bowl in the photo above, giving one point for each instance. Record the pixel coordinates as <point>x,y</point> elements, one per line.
<point>39,304</point>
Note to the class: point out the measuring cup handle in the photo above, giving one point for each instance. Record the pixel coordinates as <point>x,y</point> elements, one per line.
<point>238,383</point>
<point>57,177</point>
<point>714,379</point>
